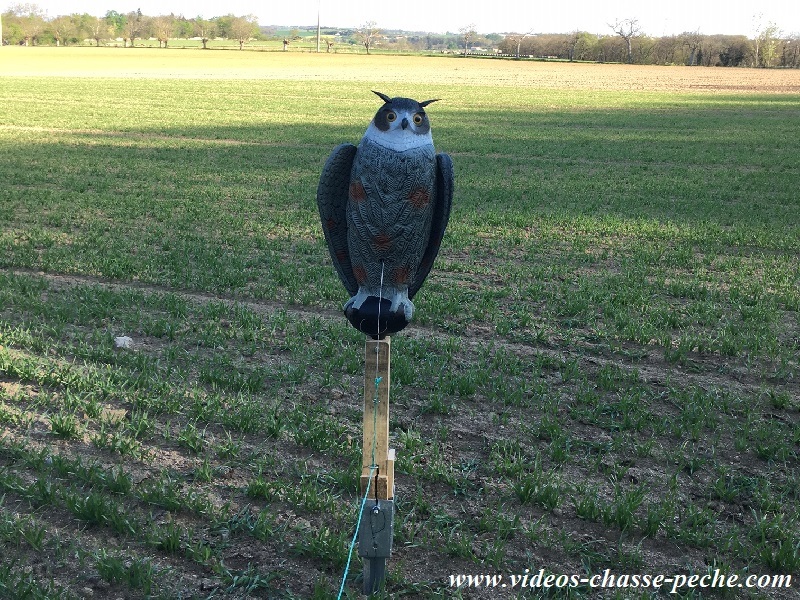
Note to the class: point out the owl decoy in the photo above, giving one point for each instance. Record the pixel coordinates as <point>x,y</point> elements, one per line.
<point>384,206</point>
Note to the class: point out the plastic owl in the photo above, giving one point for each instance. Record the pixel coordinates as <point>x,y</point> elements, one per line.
<point>384,207</point>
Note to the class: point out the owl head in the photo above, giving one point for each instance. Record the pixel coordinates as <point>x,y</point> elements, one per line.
<point>400,124</point>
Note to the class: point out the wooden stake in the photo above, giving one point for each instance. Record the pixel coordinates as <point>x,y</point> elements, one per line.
<point>377,355</point>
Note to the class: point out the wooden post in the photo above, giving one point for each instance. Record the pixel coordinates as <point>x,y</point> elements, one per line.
<point>377,368</point>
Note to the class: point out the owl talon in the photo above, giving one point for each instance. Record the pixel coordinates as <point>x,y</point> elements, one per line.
<point>357,301</point>
<point>401,303</point>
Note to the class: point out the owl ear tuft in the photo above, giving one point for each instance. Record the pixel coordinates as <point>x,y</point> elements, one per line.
<point>426,102</point>
<point>383,97</point>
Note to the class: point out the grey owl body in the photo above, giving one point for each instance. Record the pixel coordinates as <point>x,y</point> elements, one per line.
<point>389,214</point>
<point>384,206</point>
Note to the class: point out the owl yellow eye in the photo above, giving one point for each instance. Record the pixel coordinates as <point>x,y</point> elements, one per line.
<point>391,116</point>
<point>418,119</point>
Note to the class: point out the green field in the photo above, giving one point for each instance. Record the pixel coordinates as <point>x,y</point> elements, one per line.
<point>602,372</point>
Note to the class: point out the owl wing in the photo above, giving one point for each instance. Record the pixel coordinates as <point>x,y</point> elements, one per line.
<point>441,214</point>
<point>332,195</point>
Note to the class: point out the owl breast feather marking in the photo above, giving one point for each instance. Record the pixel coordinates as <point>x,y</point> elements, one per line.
<point>419,198</point>
<point>357,191</point>
<point>382,242</point>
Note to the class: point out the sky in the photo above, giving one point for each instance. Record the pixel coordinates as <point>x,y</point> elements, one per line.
<point>656,17</point>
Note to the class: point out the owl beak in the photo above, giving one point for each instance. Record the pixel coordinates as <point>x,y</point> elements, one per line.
<point>404,123</point>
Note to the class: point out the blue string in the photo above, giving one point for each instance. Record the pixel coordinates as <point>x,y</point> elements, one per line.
<point>355,535</point>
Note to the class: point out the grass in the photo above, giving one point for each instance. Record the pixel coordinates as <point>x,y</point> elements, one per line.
<point>602,372</point>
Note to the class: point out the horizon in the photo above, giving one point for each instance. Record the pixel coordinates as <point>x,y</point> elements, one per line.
<point>448,16</point>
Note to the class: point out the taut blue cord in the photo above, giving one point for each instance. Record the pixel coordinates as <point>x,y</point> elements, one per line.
<point>355,535</point>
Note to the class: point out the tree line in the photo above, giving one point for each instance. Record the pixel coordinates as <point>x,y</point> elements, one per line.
<point>626,43</point>
<point>27,24</point>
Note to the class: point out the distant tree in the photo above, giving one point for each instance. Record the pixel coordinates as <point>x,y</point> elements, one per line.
<point>611,48</point>
<point>692,41</point>
<point>790,51</point>
<point>133,28</point>
<point>644,52</point>
<point>12,32</point>
<point>368,34</point>
<point>552,44</point>
<point>63,29</point>
<point>713,47</point>
<point>163,28</point>
<point>585,47</point>
<point>83,25</point>
<point>27,21</point>
<point>99,30</point>
<point>757,26</point>
<point>627,29</point>
<point>116,22</point>
<point>243,29</point>
<point>183,28</point>
<point>572,43</point>
<point>429,42</point>
<point>667,50</point>
<point>766,45</point>
<point>205,30</point>
<point>224,26</point>
<point>467,34</point>
<point>557,44</point>
<point>515,41</point>
<point>732,50</point>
